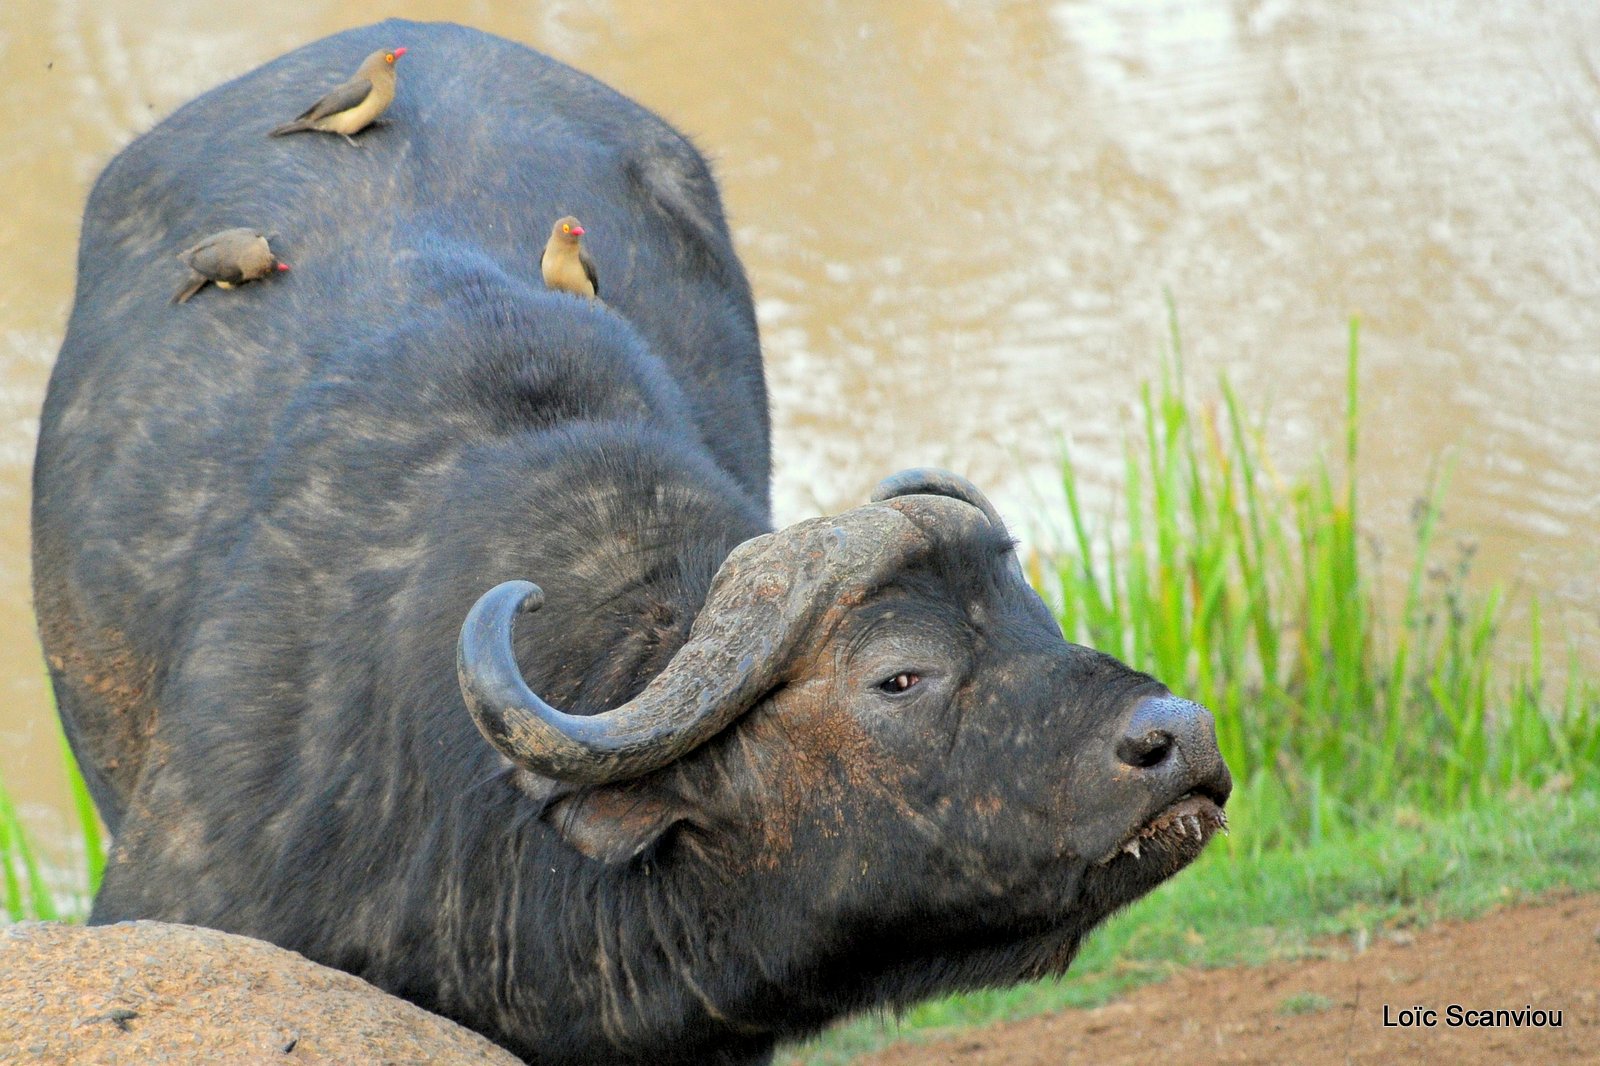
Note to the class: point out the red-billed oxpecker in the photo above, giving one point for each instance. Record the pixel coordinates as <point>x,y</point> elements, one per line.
<point>566,266</point>
<point>227,258</point>
<point>353,106</point>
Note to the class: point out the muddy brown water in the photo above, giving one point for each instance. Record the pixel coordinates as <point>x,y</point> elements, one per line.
<point>960,219</point>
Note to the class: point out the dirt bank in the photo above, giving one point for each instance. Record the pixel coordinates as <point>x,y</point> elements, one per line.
<point>1332,1010</point>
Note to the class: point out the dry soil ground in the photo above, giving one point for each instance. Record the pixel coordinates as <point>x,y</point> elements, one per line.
<point>1332,1010</point>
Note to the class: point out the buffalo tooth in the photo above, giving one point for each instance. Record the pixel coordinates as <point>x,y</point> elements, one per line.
<point>1132,848</point>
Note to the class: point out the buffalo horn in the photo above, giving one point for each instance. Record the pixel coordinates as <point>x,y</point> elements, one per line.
<point>764,600</point>
<point>634,739</point>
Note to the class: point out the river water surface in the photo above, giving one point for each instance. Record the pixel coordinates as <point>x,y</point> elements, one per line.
<point>960,219</point>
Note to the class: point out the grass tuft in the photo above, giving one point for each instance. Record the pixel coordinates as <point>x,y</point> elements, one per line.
<point>1251,596</point>
<point>22,889</point>
<point>25,882</point>
<point>1304,1003</point>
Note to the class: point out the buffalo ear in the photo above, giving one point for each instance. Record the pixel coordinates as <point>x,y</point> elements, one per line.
<point>614,824</point>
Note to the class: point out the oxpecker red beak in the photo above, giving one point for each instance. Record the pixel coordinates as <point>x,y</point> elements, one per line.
<point>283,266</point>
<point>577,231</point>
<point>398,52</point>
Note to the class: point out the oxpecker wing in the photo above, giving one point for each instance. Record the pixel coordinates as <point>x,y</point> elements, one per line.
<point>586,261</point>
<point>345,97</point>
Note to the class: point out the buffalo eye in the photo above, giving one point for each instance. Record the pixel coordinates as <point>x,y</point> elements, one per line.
<point>899,683</point>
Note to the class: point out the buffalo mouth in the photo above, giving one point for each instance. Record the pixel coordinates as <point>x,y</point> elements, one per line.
<point>1175,835</point>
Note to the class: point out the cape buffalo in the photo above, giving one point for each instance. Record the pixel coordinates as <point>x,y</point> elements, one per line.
<point>280,537</point>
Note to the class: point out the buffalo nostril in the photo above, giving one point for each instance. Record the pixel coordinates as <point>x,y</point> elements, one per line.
<point>1170,744</point>
<point>1146,750</point>
<point>1174,738</point>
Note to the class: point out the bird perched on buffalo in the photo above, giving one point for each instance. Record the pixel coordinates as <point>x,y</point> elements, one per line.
<point>353,106</point>
<point>566,266</point>
<point>228,258</point>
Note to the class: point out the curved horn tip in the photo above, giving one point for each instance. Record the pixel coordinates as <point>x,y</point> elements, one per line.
<point>528,597</point>
<point>532,597</point>
<point>487,626</point>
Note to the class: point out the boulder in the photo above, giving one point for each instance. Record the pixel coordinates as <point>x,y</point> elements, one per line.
<point>151,992</point>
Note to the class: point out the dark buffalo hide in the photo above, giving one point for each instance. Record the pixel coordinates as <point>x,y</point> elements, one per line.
<point>725,784</point>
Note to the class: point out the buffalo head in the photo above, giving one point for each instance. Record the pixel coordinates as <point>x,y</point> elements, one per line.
<point>874,713</point>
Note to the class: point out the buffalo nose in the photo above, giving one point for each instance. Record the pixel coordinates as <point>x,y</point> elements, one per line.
<point>1176,740</point>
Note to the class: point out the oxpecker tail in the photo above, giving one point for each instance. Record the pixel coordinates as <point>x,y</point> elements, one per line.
<point>195,284</point>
